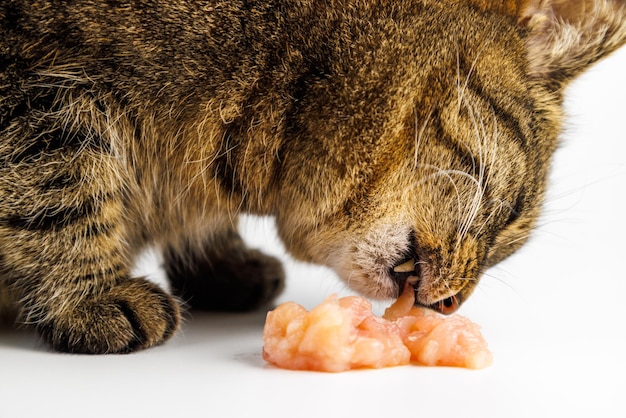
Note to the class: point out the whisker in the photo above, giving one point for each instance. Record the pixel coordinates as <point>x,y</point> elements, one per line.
<point>474,206</point>
<point>491,214</point>
<point>461,91</point>
<point>450,171</point>
<point>504,282</point>
<point>448,175</point>
<point>520,238</point>
<point>419,133</point>
<point>469,279</point>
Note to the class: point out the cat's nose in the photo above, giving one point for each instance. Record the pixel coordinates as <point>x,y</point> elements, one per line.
<point>448,305</point>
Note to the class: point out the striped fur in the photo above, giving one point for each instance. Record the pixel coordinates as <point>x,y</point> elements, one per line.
<point>372,130</point>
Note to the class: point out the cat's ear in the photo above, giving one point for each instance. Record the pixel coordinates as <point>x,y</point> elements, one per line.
<point>567,36</point>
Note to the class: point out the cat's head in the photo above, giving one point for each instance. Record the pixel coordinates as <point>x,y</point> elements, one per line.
<point>421,150</point>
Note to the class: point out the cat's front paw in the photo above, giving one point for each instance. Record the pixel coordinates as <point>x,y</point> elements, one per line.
<point>133,315</point>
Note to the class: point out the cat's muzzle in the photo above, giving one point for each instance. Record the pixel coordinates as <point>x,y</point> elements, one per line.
<point>408,271</point>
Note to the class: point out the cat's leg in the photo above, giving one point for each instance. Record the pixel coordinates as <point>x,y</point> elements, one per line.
<point>8,307</point>
<point>64,232</point>
<point>222,273</point>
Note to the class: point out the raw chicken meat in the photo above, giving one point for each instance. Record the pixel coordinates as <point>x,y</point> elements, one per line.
<point>342,334</point>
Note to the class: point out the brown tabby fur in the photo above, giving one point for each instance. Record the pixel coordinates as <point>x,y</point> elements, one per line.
<point>372,130</point>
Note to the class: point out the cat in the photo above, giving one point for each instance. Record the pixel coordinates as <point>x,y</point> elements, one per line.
<point>396,141</point>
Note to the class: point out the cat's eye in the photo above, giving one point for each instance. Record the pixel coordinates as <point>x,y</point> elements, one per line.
<point>516,210</point>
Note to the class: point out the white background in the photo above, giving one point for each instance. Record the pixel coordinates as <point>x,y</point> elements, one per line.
<point>553,315</point>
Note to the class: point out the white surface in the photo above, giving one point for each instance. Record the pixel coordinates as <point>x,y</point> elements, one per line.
<point>553,315</point>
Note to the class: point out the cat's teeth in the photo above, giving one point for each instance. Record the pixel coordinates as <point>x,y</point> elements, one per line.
<point>406,267</point>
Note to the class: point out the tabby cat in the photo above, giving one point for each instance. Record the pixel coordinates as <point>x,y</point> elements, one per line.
<point>396,141</point>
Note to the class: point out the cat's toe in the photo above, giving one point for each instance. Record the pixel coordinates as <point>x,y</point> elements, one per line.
<point>131,316</point>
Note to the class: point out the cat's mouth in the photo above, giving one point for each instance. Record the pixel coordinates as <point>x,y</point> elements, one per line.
<point>408,272</point>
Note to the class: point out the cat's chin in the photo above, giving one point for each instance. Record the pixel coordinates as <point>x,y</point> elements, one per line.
<point>376,288</point>
<point>379,282</point>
